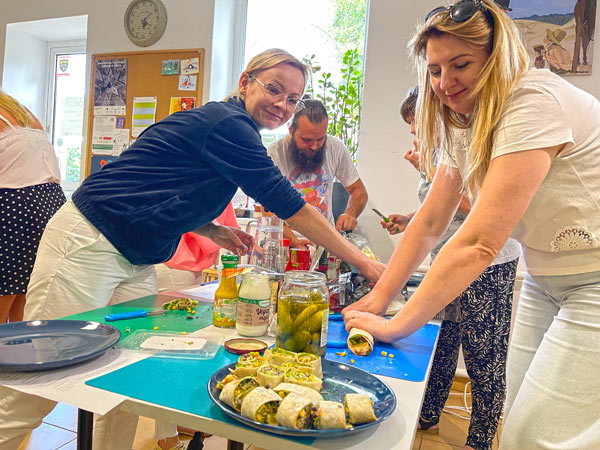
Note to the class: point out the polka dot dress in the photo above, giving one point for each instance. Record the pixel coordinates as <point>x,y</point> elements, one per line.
<point>24,214</point>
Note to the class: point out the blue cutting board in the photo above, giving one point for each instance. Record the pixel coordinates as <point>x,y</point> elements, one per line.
<point>411,354</point>
<point>174,382</point>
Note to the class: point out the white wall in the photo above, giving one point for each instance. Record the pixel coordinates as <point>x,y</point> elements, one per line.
<point>25,61</point>
<point>391,181</point>
<point>190,25</point>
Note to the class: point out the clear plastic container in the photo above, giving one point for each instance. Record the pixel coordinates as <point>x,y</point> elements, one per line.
<point>303,312</point>
<point>171,345</point>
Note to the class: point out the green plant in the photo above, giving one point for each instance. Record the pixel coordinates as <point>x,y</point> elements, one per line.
<point>342,100</point>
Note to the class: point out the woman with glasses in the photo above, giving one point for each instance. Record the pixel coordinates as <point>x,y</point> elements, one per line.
<point>177,177</point>
<point>530,166</point>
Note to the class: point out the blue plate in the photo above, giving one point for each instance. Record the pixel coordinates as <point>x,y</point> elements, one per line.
<point>338,380</point>
<point>48,344</point>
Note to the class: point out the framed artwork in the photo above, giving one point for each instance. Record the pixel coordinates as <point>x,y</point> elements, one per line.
<point>558,34</point>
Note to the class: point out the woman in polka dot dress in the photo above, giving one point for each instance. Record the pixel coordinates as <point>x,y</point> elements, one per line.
<point>30,194</point>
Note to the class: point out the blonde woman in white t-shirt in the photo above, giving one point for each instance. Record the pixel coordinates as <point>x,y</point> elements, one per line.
<point>531,167</point>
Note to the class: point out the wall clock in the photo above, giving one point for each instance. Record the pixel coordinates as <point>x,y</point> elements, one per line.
<point>145,21</point>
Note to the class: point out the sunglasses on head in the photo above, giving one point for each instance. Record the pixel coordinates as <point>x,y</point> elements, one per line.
<point>461,11</point>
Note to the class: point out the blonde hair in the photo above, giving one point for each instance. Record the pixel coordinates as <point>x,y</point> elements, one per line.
<point>506,64</point>
<point>269,59</point>
<point>16,110</point>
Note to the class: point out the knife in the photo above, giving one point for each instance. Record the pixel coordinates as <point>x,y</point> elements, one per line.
<point>385,218</point>
<point>132,315</point>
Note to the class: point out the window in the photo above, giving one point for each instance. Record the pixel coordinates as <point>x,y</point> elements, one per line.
<point>65,111</point>
<point>321,32</point>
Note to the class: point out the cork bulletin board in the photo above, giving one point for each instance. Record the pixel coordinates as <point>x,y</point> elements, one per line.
<point>144,74</point>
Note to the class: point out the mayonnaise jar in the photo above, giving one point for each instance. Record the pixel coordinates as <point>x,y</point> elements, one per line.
<point>253,306</point>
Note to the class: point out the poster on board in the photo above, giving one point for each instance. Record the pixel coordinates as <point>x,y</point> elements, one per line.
<point>110,87</point>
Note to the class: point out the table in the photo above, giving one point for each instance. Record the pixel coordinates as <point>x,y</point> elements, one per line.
<point>397,432</point>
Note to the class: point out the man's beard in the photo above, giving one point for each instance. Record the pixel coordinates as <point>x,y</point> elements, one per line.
<point>307,162</point>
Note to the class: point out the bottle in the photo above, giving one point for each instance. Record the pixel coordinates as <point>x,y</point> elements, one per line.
<point>302,312</point>
<point>332,272</point>
<point>226,295</point>
<point>284,255</point>
<point>253,306</point>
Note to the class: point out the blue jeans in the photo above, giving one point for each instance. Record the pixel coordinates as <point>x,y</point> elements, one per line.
<point>553,370</point>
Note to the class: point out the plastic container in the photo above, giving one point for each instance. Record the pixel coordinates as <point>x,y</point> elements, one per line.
<point>171,345</point>
<point>303,312</point>
<point>254,304</point>
<point>225,308</point>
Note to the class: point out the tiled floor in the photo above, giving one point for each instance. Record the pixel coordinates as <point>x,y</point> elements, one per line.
<point>59,432</point>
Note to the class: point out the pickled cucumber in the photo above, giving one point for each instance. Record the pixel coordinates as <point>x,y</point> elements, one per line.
<point>302,318</point>
<point>315,321</point>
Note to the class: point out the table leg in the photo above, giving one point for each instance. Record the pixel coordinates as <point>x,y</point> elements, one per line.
<point>85,426</point>
<point>234,445</point>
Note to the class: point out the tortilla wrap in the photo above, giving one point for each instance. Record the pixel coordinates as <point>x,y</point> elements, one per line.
<point>258,398</point>
<point>226,395</point>
<point>365,343</point>
<point>359,408</point>
<point>269,375</point>
<point>278,356</point>
<point>241,390</point>
<point>304,391</point>
<point>303,379</point>
<point>330,416</point>
<point>294,412</point>
<point>312,360</point>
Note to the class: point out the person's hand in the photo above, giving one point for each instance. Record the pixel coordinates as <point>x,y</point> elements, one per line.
<point>371,303</point>
<point>371,269</point>
<point>304,244</point>
<point>232,239</point>
<point>345,222</point>
<point>396,225</point>
<point>413,156</point>
<point>378,326</point>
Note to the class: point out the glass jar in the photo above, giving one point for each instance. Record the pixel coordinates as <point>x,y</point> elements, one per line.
<point>254,300</point>
<point>303,312</point>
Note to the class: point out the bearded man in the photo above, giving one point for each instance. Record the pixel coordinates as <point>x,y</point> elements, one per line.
<point>312,161</point>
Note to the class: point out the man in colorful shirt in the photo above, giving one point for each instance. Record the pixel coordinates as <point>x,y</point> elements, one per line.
<point>312,161</point>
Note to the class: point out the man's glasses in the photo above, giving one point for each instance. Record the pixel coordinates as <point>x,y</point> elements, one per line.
<point>462,11</point>
<point>277,94</point>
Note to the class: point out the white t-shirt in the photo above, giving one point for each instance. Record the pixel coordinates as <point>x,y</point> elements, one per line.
<point>26,158</point>
<point>560,229</point>
<point>317,187</point>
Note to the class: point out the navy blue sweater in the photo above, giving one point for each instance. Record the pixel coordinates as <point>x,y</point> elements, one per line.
<point>178,176</point>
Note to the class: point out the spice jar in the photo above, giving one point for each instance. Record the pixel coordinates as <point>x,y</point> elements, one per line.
<point>254,301</point>
<point>302,312</point>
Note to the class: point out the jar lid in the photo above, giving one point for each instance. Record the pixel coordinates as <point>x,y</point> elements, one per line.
<point>305,276</point>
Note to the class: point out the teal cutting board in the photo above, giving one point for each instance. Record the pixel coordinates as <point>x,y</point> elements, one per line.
<point>176,383</point>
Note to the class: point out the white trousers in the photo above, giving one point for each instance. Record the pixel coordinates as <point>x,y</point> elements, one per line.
<point>77,269</point>
<point>170,279</point>
<point>553,370</point>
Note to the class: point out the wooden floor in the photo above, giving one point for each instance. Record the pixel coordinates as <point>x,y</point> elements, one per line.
<point>59,431</point>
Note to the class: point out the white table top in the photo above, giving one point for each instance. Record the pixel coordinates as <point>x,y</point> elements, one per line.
<point>397,432</point>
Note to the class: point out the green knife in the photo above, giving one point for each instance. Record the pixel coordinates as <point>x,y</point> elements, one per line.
<point>385,218</point>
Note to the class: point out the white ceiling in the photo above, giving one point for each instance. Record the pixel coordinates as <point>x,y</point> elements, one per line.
<point>60,29</point>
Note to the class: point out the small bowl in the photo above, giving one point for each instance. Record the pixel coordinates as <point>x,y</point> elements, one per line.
<point>240,346</point>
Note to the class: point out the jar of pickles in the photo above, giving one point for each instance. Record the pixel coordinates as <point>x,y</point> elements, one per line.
<point>303,312</point>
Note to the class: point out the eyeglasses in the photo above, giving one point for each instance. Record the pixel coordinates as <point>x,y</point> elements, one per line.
<point>277,94</point>
<point>462,11</point>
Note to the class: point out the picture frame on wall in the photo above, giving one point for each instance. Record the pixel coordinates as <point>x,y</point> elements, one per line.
<point>558,35</point>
